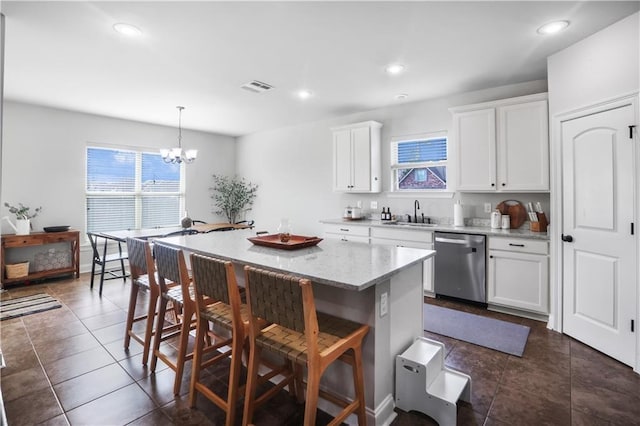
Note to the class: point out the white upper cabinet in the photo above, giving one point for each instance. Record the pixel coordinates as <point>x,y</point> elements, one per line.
<point>503,145</point>
<point>356,157</point>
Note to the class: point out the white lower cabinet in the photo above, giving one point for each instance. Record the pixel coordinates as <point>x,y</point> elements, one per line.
<point>518,274</point>
<point>355,233</point>
<point>411,239</point>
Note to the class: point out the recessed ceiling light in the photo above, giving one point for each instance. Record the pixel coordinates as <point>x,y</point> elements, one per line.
<point>394,69</point>
<point>553,27</point>
<point>127,29</point>
<point>401,96</point>
<point>305,94</point>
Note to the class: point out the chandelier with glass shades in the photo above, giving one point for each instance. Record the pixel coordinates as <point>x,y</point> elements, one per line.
<point>176,155</point>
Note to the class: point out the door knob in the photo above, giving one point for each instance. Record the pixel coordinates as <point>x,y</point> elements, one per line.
<point>567,238</point>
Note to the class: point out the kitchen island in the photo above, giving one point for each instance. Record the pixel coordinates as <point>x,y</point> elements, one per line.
<point>372,284</point>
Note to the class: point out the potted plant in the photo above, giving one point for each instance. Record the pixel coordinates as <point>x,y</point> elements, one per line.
<point>23,217</point>
<point>232,195</point>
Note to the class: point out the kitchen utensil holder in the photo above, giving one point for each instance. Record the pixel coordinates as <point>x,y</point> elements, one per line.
<point>540,225</point>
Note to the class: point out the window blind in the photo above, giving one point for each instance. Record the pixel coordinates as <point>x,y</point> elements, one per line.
<point>129,189</point>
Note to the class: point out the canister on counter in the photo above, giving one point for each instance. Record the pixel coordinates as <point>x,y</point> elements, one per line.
<point>506,221</point>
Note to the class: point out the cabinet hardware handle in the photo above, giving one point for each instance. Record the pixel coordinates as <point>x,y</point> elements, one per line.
<point>567,238</point>
<point>344,229</point>
<point>516,245</point>
<point>504,184</point>
<point>493,184</point>
<point>490,257</point>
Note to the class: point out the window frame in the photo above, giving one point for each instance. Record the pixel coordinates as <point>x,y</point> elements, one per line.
<point>138,194</point>
<point>394,166</point>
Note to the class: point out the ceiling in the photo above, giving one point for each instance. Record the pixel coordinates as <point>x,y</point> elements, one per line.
<point>198,54</point>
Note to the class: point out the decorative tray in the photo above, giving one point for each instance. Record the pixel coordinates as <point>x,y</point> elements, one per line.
<point>295,241</point>
<point>56,228</point>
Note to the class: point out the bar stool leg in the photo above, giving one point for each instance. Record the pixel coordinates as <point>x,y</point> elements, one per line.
<point>158,334</point>
<point>358,384</point>
<point>151,313</point>
<point>197,361</point>
<point>182,348</point>
<point>313,392</point>
<point>252,383</point>
<point>133,298</point>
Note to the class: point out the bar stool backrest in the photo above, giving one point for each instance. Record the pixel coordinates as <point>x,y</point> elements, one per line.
<point>210,277</point>
<point>276,298</point>
<point>140,258</point>
<point>172,267</point>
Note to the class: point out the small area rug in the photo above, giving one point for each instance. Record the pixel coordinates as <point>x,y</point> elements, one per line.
<point>488,332</point>
<point>20,306</point>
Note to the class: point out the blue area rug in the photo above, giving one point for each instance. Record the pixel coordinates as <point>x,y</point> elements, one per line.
<point>482,331</point>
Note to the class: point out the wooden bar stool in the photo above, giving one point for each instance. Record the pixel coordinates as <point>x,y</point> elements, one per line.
<point>218,301</point>
<point>172,268</point>
<point>143,278</point>
<point>304,336</point>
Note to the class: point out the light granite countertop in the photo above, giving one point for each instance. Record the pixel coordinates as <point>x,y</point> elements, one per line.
<point>348,265</point>
<point>521,232</point>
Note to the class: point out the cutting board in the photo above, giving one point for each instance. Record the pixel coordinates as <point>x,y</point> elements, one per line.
<point>516,211</point>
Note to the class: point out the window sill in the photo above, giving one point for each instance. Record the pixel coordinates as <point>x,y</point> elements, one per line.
<point>420,194</point>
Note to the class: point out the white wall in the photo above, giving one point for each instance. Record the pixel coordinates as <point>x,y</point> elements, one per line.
<point>43,161</point>
<point>598,68</point>
<point>293,165</point>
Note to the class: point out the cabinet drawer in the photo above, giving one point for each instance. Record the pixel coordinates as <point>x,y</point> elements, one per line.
<point>402,243</point>
<point>523,245</point>
<point>393,233</point>
<point>347,237</point>
<point>361,231</point>
<point>22,241</point>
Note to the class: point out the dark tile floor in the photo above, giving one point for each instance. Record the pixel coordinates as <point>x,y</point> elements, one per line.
<point>68,366</point>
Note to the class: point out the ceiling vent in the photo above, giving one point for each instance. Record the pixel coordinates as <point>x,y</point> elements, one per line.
<point>256,86</point>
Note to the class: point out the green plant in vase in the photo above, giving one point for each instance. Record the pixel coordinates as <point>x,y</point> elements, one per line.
<point>232,196</point>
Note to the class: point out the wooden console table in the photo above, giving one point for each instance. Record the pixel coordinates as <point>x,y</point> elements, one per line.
<point>11,241</point>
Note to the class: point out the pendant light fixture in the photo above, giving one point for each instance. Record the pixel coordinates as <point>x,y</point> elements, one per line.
<point>175,155</point>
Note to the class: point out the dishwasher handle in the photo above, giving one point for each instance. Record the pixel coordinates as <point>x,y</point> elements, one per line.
<point>452,241</point>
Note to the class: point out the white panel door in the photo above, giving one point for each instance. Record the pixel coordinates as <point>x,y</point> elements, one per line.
<point>599,269</point>
<point>523,147</point>
<point>475,133</point>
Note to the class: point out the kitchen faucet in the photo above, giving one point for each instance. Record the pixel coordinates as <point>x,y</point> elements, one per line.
<point>416,207</point>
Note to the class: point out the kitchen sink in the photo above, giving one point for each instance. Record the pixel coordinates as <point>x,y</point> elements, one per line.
<point>417,225</point>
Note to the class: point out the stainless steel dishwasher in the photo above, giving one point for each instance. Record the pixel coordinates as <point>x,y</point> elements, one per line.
<point>460,266</point>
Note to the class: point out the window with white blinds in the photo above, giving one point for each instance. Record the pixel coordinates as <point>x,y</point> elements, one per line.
<point>420,163</point>
<point>129,189</point>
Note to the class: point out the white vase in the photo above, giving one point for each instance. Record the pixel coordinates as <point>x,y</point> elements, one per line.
<point>23,226</point>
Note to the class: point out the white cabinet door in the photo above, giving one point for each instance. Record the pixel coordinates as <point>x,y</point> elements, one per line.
<point>503,145</point>
<point>357,160</point>
<point>342,160</point>
<point>361,159</point>
<point>523,147</point>
<point>475,134</point>
<point>518,280</point>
